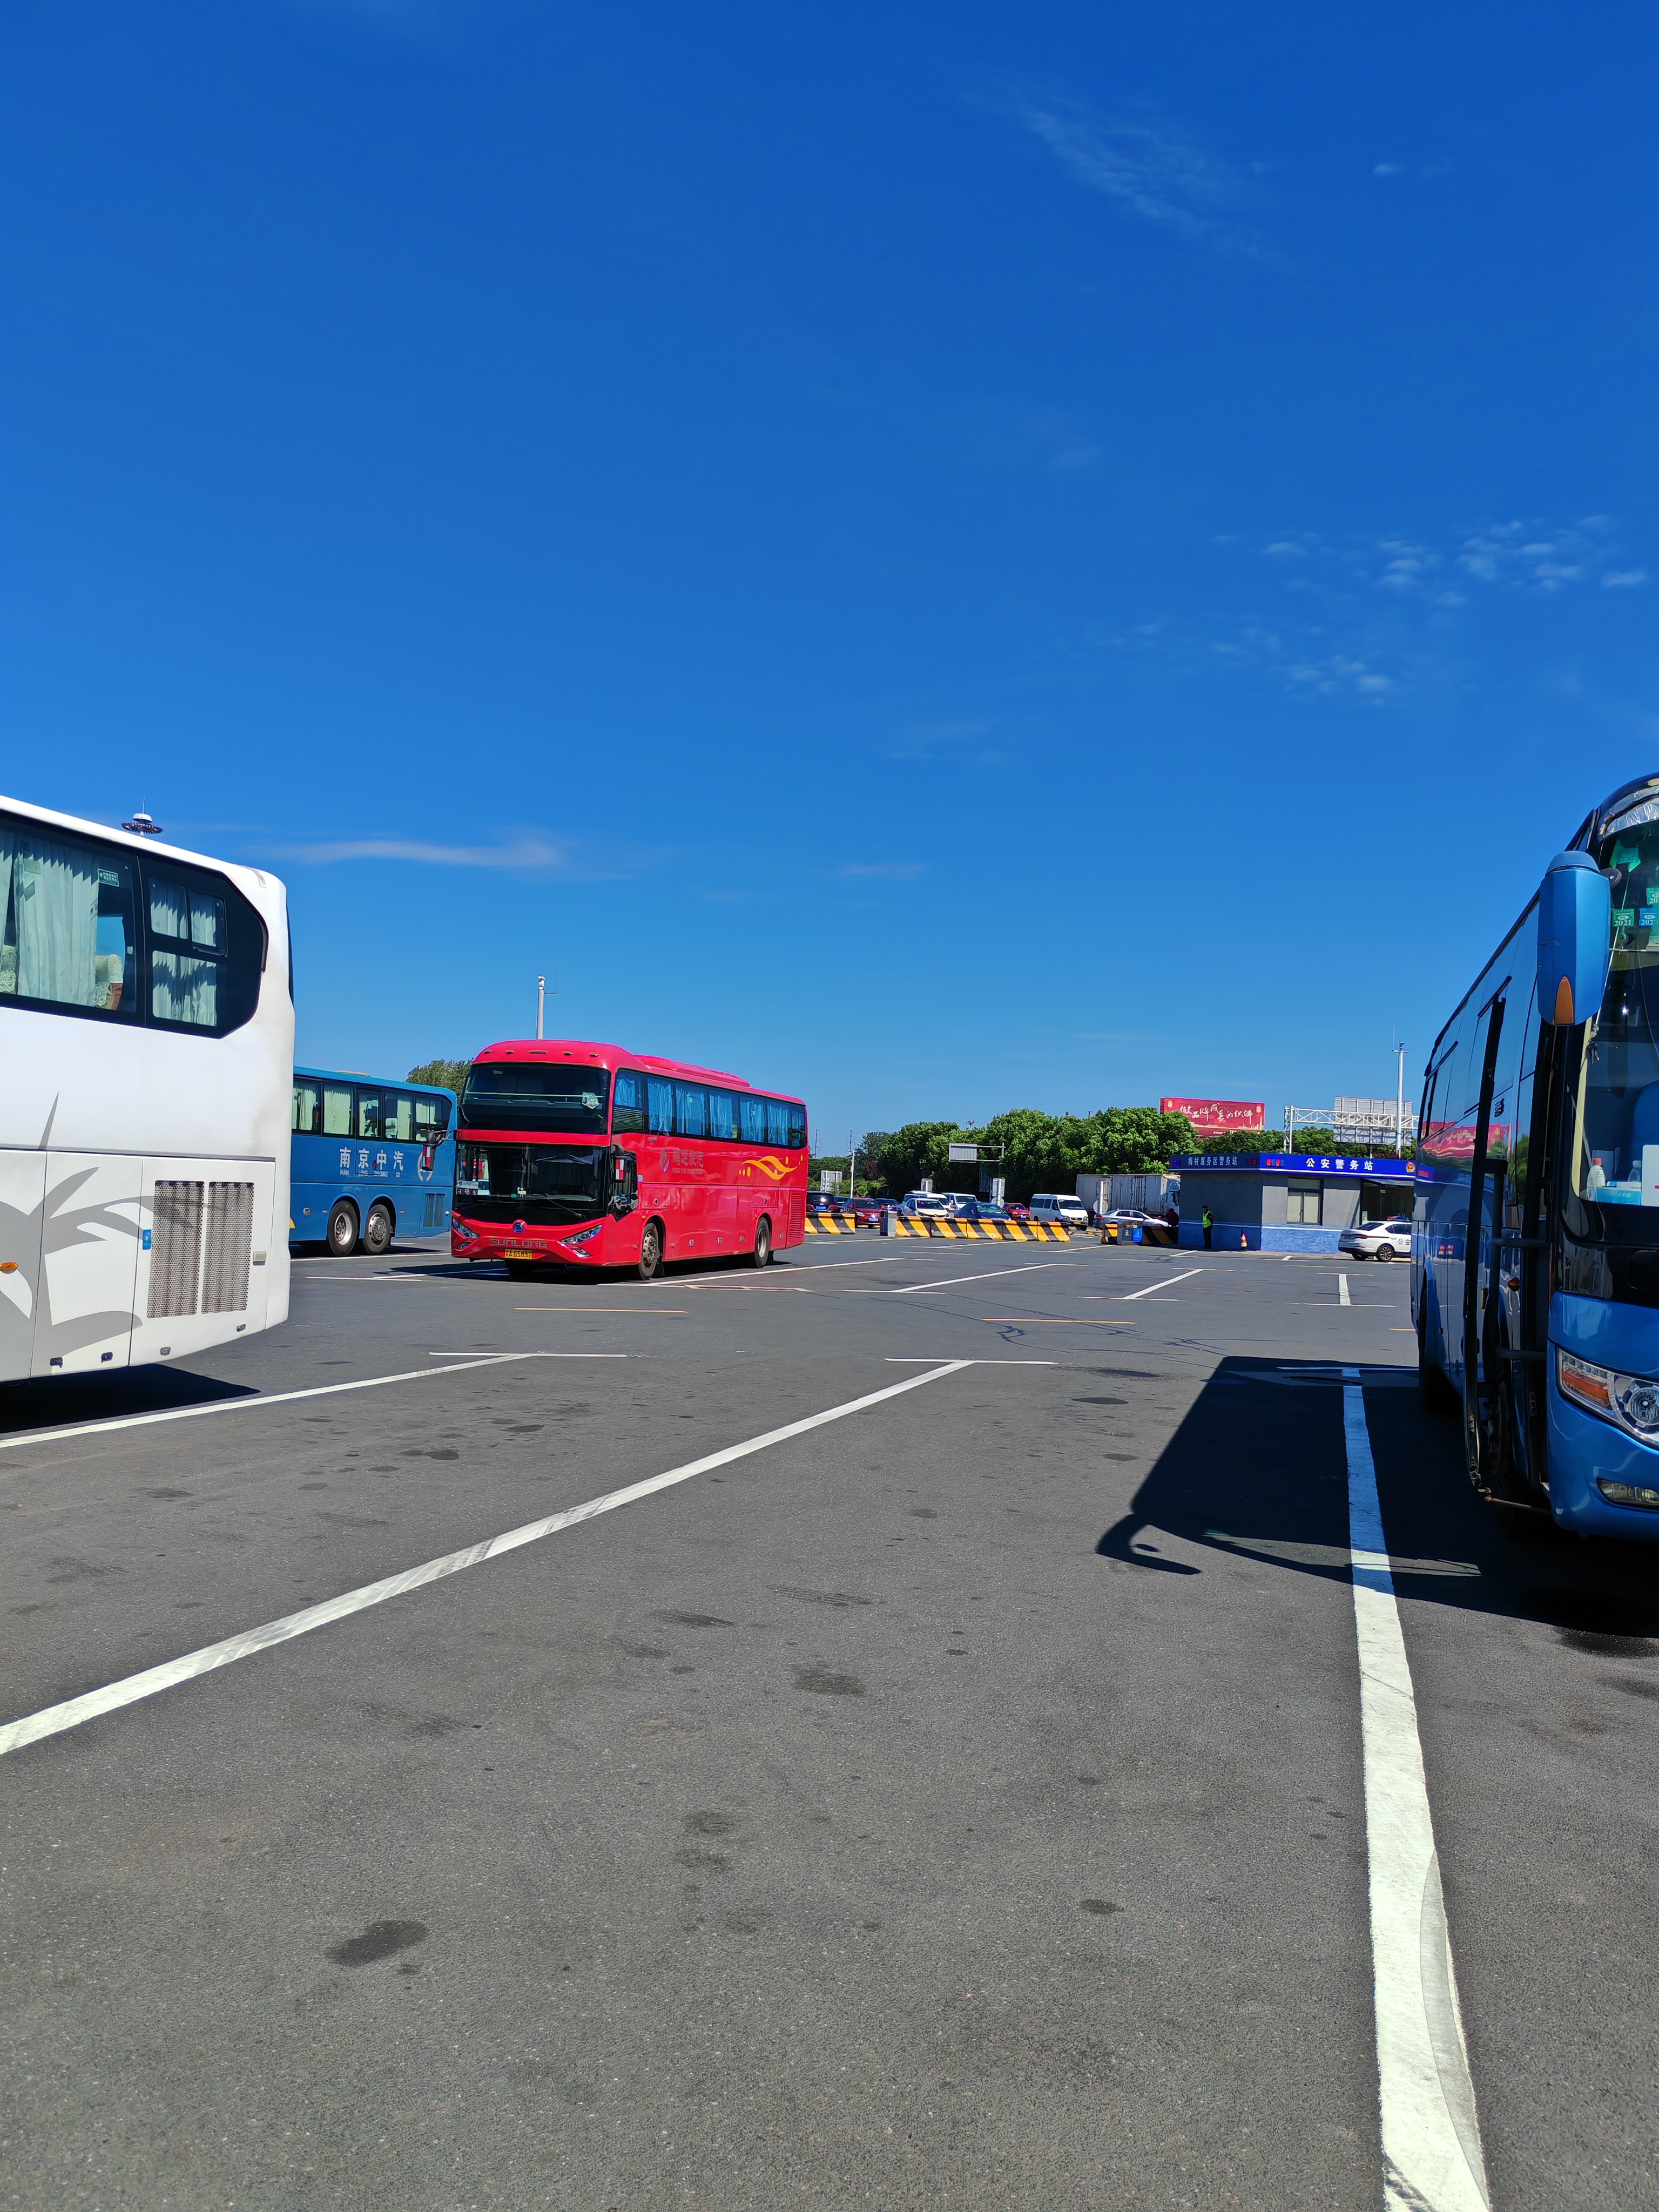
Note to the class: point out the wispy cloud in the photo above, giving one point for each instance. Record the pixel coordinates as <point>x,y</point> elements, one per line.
<point>1535,557</point>
<point>534,852</point>
<point>1149,167</point>
<point>892,871</point>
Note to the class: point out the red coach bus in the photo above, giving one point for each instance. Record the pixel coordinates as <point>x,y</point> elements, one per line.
<point>573,1153</point>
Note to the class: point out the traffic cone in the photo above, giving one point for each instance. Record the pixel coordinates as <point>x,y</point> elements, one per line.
<point>1243,1242</point>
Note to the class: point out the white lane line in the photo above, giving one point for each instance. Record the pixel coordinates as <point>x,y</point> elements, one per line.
<point>1129,1298</point>
<point>951,1280</point>
<point>278,1398</point>
<point>924,1360</point>
<point>52,1720</point>
<point>1342,1297</point>
<point>1431,2155</point>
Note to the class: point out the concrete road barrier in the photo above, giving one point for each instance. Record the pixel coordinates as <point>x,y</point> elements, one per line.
<point>832,1225</point>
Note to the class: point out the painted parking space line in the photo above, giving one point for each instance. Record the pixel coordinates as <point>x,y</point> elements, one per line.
<point>283,1397</point>
<point>987,1275</point>
<point>679,1310</point>
<point>1431,2150</point>
<point>1162,1283</point>
<point>74,1713</point>
<point>1342,1297</point>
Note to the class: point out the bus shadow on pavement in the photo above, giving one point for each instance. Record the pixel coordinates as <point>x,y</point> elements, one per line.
<point>38,1407</point>
<point>1258,1470</point>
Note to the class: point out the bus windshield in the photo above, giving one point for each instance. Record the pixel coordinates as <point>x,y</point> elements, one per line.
<point>1615,1153</point>
<point>547,1184</point>
<point>537,1094</point>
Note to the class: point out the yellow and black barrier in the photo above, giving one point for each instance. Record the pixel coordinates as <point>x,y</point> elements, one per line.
<point>832,1225</point>
<point>992,1232</point>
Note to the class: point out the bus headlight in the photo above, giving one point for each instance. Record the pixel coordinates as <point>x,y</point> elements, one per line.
<point>1631,1402</point>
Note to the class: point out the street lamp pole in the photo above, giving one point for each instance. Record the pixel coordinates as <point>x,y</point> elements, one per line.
<point>541,1006</point>
<point>1400,1106</point>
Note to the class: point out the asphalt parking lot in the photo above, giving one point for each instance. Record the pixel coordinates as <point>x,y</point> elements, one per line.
<point>959,1801</point>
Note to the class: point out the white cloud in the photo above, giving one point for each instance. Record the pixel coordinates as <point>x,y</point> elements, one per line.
<point>1618,580</point>
<point>523,853</point>
<point>1150,169</point>
<point>1385,169</point>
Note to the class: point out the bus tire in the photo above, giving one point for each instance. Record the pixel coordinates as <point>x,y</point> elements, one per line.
<point>650,1250</point>
<point>377,1229</point>
<point>342,1238</point>
<point>762,1252</point>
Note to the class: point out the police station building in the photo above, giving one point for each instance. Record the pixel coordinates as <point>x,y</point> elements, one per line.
<point>1287,1202</point>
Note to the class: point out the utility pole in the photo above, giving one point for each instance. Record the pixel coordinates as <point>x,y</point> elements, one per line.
<point>852,1167</point>
<point>541,1006</point>
<point>1400,1107</point>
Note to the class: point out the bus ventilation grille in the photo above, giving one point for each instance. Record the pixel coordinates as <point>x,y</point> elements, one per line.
<point>435,1211</point>
<point>177,1265</point>
<point>230,1247</point>
<point>183,1282</point>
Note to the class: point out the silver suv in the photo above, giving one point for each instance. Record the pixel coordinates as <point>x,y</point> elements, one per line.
<point>1378,1240</point>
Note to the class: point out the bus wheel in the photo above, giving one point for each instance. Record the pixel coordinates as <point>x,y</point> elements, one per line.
<point>650,1250</point>
<point>342,1229</point>
<point>763,1242</point>
<point>377,1229</point>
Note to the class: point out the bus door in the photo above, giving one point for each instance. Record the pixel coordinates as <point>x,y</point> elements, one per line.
<point>1478,1337</point>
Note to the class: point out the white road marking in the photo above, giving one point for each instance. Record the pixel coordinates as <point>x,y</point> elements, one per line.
<point>1431,2155</point>
<point>283,1397</point>
<point>1342,1297</point>
<point>1162,1284</point>
<point>951,1280</point>
<point>923,1359</point>
<point>54,1719</point>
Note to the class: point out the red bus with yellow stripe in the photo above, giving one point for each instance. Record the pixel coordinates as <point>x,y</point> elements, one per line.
<point>576,1154</point>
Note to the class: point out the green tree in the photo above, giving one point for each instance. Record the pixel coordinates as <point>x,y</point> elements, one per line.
<point>451,1074</point>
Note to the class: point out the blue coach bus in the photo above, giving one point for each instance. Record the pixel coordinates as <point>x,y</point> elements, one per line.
<point>371,1160</point>
<point>1535,1267</point>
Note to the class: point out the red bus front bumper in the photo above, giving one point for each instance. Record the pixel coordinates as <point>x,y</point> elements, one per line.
<point>583,1244</point>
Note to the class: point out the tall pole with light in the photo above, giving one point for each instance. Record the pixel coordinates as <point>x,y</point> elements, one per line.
<point>1400,1106</point>
<point>541,1006</point>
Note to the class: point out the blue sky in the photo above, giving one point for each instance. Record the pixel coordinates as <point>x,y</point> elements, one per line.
<point>946,556</point>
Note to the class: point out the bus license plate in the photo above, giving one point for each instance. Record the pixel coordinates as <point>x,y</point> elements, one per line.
<point>518,1252</point>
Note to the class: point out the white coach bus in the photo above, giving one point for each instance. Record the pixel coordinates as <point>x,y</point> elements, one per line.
<point>146,1062</point>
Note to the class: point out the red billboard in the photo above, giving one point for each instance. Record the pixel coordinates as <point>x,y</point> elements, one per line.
<point>1215,1117</point>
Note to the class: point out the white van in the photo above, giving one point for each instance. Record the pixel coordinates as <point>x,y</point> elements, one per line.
<point>1050,1206</point>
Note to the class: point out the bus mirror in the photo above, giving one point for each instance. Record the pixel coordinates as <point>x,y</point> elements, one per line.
<point>1575,920</point>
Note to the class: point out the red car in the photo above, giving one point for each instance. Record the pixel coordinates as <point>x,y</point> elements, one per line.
<point>1016,1211</point>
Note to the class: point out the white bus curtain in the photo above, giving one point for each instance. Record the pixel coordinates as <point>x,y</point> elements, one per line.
<point>52,890</point>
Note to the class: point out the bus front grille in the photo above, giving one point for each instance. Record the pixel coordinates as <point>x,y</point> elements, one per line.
<point>176,1265</point>
<point>230,1247</point>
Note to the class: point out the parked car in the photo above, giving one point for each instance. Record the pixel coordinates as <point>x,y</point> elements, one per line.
<point>1016,1211</point>
<point>1129,1213</point>
<point>865,1211</point>
<point>1056,1205</point>
<point>824,1201</point>
<point>975,1209</point>
<point>926,1203</point>
<point>1378,1240</point>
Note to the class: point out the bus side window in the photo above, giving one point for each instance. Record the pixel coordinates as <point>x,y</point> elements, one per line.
<point>754,1118</point>
<point>660,1106</point>
<point>397,1117</point>
<point>431,1119</point>
<point>307,1115</point>
<point>777,1122</point>
<point>797,1136</point>
<point>723,1115</point>
<point>337,1109</point>
<point>368,1113</point>
<point>628,1104</point>
<point>690,1110</point>
<point>66,923</point>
